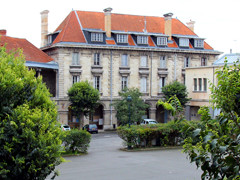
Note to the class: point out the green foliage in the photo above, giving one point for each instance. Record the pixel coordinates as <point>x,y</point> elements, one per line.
<point>29,138</point>
<point>178,89</point>
<point>76,141</point>
<point>215,146</point>
<point>165,134</point>
<point>137,107</point>
<point>84,98</point>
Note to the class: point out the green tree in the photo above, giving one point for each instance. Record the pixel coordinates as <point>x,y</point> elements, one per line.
<point>137,107</point>
<point>215,146</point>
<point>29,138</point>
<point>178,89</point>
<point>84,99</point>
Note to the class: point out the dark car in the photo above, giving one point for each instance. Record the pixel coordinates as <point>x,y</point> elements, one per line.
<point>91,128</point>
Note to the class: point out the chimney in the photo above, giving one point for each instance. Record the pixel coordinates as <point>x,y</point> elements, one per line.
<point>107,21</point>
<point>44,27</point>
<point>190,25</point>
<point>168,24</point>
<point>3,32</point>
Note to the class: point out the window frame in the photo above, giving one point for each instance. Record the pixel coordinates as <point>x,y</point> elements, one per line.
<point>161,41</point>
<point>144,61</point>
<point>122,38</point>
<point>183,42</point>
<point>96,37</point>
<point>97,82</point>
<point>163,62</point>
<point>96,59</point>
<point>198,43</point>
<point>75,60</point>
<point>186,62</point>
<point>124,82</point>
<point>195,84</point>
<point>143,84</point>
<point>75,79</point>
<point>162,83</point>
<point>124,60</point>
<point>203,61</point>
<point>142,39</point>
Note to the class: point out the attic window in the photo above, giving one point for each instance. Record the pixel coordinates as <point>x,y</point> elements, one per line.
<point>184,42</point>
<point>161,41</point>
<point>97,37</point>
<point>122,38</point>
<point>142,39</point>
<point>198,43</point>
<point>49,39</point>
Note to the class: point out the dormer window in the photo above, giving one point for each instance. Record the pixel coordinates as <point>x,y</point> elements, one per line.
<point>97,37</point>
<point>184,42</point>
<point>49,39</point>
<point>161,41</point>
<point>122,38</point>
<point>142,39</point>
<point>198,43</point>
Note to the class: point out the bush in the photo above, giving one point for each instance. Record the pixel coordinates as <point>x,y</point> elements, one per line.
<point>167,134</point>
<point>76,141</point>
<point>30,144</point>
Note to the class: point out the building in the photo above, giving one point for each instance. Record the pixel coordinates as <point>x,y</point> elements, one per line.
<point>114,51</point>
<point>198,81</point>
<point>35,59</point>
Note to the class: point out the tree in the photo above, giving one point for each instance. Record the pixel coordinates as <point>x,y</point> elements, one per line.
<point>215,146</point>
<point>84,99</point>
<point>137,107</point>
<point>29,138</point>
<point>178,89</point>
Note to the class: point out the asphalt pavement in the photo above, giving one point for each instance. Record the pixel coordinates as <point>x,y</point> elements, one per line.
<point>105,161</point>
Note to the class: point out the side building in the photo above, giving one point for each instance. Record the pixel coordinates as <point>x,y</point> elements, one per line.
<point>35,59</point>
<point>114,51</point>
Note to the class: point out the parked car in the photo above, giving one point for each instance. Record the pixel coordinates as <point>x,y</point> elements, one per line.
<point>65,127</point>
<point>91,128</point>
<point>149,121</point>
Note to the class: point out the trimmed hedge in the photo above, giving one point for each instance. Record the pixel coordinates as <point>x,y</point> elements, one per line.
<point>76,141</point>
<point>164,134</point>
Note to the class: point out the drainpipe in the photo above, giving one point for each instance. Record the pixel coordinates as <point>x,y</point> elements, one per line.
<point>111,87</point>
<point>151,76</point>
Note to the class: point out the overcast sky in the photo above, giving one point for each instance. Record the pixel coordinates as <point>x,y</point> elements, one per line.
<point>216,20</point>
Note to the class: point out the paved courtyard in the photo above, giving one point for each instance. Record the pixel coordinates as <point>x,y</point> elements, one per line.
<point>106,162</point>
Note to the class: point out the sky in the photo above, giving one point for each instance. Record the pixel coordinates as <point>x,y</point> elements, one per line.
<point>218,21</point>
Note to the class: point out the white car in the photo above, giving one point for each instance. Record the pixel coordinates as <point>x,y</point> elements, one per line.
<point>65,127</point>
<point>149,121</point>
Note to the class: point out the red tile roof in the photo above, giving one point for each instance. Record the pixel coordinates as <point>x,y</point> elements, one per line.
<point>31,52</point>
<point>71,31</point>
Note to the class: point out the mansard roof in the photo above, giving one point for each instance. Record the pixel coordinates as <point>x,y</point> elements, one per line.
<point>72,29</point>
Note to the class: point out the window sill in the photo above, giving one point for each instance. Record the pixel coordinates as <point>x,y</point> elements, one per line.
<point>75,66</point>
<point>96,67</point>
<point>199,91</point>
<point>124,68</point>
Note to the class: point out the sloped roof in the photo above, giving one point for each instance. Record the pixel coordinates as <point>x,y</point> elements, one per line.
<point>31,52</point>
<point>71,28</point>
<point>231,58</point>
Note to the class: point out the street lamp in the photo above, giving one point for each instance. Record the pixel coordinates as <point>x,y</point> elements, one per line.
<point>129,99</point>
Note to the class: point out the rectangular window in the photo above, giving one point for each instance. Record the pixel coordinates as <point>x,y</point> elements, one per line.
<point>144,61</point>
<point>75,58</point>
<point>205,84</point>
<point>49,39</point>
<point>96,58</point>
<point>203,61</point>
<point>198,43</point>
<point>124,82</point>
<point>97,37</point>
<point>195,84</point>
<point>163,62</point>
<point>161,41</point>
<point>184,42</point>
<point>124,60</point>
<point>161,83</point>
<point>75,79</point>
<point>142,39</point>
<point>96,82</point>
<point>122,38</point>
<point>186,62</point>
<point>143,84</point>
<point>200,84</point>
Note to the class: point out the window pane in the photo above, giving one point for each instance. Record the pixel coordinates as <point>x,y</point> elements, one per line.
<point>143,84</point>
<point>205,84</point>
<point>96,59</point>
<point>200,84</point>
<point>124,60</point>
<point>162,62</point>
<point>186,62</point>
<point>96,82</point>
<point>122,38</point>
<point>195,84</point>
<point>144,61</point>
<point>198,43</point>
<point>97,37</point>
<point>75,58</point>
<point>75,79</point>
<point>142,39</point>
<point>203,61</point>
<point>124,82</point>
<point>184,42</point>
<point>161,41</point>
<point>161,83</point>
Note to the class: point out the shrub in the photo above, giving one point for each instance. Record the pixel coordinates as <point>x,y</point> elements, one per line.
<point>76,141</point>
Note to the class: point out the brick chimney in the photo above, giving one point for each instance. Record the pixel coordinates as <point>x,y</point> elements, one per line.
<point>190,25</point>
<point>168,24</point>
<point>44,27</point>
<point>107,21</point>
<point>3,32</point>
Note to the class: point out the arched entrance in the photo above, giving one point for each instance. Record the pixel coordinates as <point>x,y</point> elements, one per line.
<point>97,118</point>
<point>160,114</point>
